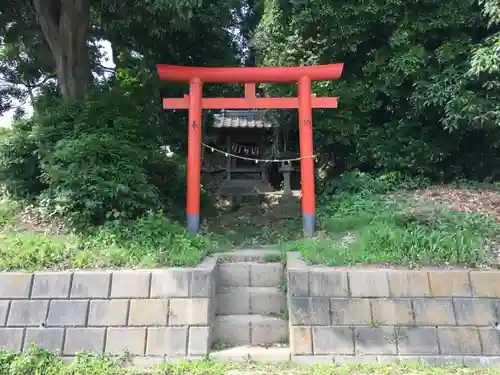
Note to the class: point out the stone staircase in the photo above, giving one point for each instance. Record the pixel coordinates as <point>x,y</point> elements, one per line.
<point>251,305</point>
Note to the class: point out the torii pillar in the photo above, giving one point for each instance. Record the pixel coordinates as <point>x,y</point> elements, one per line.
<point>250,76</point>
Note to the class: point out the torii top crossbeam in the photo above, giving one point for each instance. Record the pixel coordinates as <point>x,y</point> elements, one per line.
<point>250,76</point>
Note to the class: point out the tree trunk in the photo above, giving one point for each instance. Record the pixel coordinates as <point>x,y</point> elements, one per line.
<point>65,25</point>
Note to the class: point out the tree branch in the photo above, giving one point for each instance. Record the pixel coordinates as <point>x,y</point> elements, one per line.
<point>105,68</point>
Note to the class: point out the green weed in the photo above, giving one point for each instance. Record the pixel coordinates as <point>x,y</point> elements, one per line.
<point>39,362</point>
<point>150,241</point>
<point>366,228</point>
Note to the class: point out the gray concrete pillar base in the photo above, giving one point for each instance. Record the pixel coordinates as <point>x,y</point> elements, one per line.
<point>193,223</point>
<point>309,225</point>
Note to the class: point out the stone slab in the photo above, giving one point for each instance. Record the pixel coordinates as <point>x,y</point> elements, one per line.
<point>328,283</point>
<point>333,340</point>
<point>450,283</point>
<point>15,285</point>
<point>27,313</point>
<point>392,311</point>
<point>11,339</point>
<point>459,341</point>
<point>199,341</point>
<point>233,300</point>
<point>309,311</point>
<point>433,312</point>
<point>301,340</point>
<point>68,313</point>
<point>267,301</point>
<point>50,339</point>
<point>130,284</point>
<point>476,311</point>
<point>375,340</point>
<point>108,313</point>
<point>132,340</point>
<point>170,283</point>
<point>490,339</point>
<point>189,311</point>
<point>266,274</point>
<point>418,341</point>
<point>298,283</point>
<point>148,312</point>
<point>369,283</point>
<point>51,285</point>
<point>232,330</point>
<point>409,283</point>
<point>485,283</point>
<point>202,283</point>
<point>233,274</point>
<point>350,311</point>
<point>4,309</point>
<point>167,341</point>
<point>91,284</point>
<point>88,340</point>
<point>265,330</point>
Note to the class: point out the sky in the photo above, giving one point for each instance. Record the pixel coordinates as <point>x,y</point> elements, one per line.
<point>105,46</point>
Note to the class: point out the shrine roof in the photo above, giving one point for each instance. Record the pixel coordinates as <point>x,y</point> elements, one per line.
<point>243,119</point>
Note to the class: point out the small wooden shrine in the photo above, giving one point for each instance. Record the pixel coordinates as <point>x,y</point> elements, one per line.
<point>247,135</point>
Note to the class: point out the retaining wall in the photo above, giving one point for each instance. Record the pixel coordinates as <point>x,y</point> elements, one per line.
<point>159,313</point>
<point>357,315</point>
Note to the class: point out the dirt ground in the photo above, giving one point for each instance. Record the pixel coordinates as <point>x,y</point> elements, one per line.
<point>481,201</point>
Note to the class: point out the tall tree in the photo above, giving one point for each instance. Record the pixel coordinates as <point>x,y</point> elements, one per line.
<point>407,101</point>
<point>65,25</point>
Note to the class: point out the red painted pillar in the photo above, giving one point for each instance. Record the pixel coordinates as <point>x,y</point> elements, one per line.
<point>194,156</point>
<point>306,152</point>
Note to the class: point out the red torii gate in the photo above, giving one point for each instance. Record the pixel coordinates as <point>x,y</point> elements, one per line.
<point>250,76</point>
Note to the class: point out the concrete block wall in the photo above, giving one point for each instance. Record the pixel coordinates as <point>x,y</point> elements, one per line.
<point>160,313</point>
<point>353,315</point>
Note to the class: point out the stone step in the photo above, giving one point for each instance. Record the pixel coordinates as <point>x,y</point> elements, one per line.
<point>258,255</point>
<point>250,274</point>
<point>252,353</point>
<point>250,300</point>
<point>236,330</point>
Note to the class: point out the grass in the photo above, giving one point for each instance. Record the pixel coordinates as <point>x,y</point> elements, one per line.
<point>366,227</point>
<point>39,362</point>
<point>152,241</point>
<point>365,220</point>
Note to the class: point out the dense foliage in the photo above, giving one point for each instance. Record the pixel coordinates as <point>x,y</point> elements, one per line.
<point>419,92</point>
<point>105,158</point>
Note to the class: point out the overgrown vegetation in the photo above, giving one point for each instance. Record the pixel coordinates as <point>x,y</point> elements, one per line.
<point>419,90</point>
<point>30,242</point>
<point>40,362</point>
<point>370,220</point>
<point>96,177</point>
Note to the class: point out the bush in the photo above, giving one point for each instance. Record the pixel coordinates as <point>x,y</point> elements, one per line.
<point>19,163</point>
<point>94,178</point>
<point>94,161</point>
<point>4,134</point>
<point>358,182</point>
<point>150,241</point>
